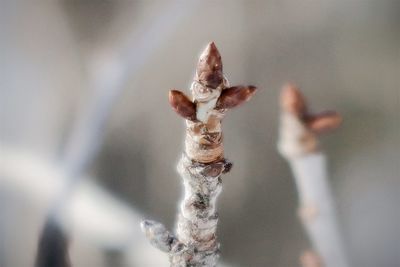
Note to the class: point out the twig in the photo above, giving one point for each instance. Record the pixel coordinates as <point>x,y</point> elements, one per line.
<point>201,164</point>
<point>299,145</point>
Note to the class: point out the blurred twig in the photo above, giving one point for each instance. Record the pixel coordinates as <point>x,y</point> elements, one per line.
<point>299,145</point>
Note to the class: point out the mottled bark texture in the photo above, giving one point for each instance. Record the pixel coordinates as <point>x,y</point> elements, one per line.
<point>299,145</point>
<point>201,164</point>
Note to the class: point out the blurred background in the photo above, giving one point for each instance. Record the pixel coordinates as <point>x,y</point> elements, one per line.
<point>85,121</point>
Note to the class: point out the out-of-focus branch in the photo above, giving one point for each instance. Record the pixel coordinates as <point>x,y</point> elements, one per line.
<point>53,247</point>
<point>108,74</point>
<point>298,143</point>
<point>109,69</point>
<point>91,213</point>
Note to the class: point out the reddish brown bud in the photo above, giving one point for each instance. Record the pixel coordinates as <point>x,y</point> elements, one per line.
<point>310,259</point>
<point>234,96</point>
<point>324,122</point>
<point>292,100</point>
<point>209,67</point>
<point>182,105</point>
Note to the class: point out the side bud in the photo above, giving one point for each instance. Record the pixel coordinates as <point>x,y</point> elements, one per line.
<point>182,105</point>
<point>235,96</point>
<point>324,122</point>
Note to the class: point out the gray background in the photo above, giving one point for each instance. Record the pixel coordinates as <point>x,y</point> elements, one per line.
<point>345,55</point>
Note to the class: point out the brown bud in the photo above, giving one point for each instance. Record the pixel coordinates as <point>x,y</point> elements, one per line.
<point>310,259</point>
<point>209,67</point>
<point>324,122</point>
<point>292,100</point>
<point>234,96</point>
<point>182,105</point>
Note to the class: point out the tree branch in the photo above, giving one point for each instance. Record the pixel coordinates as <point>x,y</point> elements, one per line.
<point>299,145</point>
<point>201,165</point>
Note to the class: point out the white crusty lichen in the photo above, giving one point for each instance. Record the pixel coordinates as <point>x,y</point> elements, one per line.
<point>161,238</point>
<point>201,165</point>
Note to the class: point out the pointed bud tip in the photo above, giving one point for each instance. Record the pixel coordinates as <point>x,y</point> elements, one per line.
<point>172,94</point>
<point>310,259</point>
<point>292,100</point>
<point>182,104</point>
<point>290,92</point>
<point>252,90</point>
<point>211,49</point>
<point>209,67</point>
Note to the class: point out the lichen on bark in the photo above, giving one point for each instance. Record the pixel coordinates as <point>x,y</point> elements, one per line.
<point>201,164</point>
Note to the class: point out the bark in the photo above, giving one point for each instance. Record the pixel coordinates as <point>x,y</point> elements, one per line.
<point>201,165</point>
<point>300,146</point>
